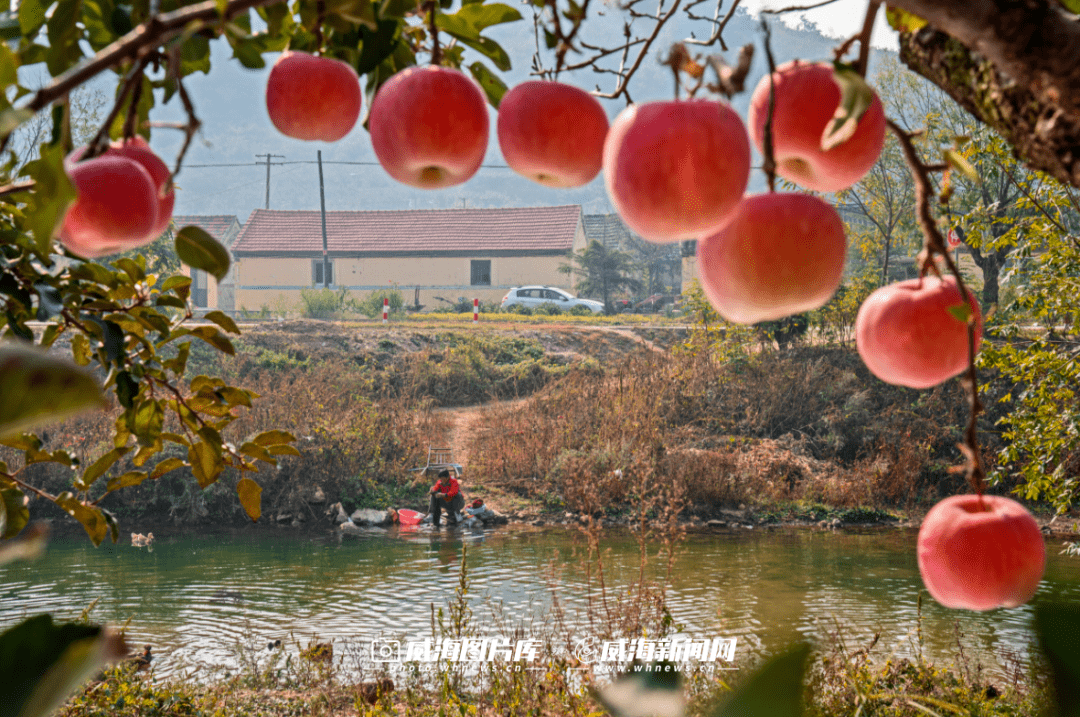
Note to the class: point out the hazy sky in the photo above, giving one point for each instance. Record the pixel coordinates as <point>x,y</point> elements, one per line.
<point>839,19</point>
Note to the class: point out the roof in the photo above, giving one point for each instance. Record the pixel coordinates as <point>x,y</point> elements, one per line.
<point>521,230</point>
<point>608,229</point>
<point>216,225</point>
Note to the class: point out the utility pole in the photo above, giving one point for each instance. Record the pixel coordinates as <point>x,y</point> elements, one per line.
<point>325,249</point>
<point>268,156</point>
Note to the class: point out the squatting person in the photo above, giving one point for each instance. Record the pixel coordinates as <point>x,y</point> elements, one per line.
<point>446,495</point>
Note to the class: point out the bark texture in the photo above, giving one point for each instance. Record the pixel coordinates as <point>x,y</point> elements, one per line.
<point>1014,64</point>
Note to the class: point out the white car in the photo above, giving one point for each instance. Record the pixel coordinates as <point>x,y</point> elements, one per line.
<point>534,296</point>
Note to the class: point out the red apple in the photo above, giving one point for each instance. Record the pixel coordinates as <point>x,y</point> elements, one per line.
<point>311,97</point>
<point>781,254</point>
<point>676,170</point>
<point>552,133</point>
<point>907,336</point>
<point>137,149</point>
<point>806,97</point>
<point>429,127</point>
<point>116,208</point>
<point>981,554</point>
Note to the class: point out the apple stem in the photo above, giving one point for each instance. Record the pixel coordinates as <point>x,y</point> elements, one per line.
<point>935,245</point>
<point>436,51</point>
<point>769,164</point>
<point>320,17</point>
<point>98,144</point>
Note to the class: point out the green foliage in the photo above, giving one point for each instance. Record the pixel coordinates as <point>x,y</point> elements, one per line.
<point>603,273</point>
<point>372,305</point>
<point>325,303</point>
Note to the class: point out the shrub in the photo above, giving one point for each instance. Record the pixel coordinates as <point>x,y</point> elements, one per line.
<point>372,305</point>
<point>548,308</point>
<point>324,303</point>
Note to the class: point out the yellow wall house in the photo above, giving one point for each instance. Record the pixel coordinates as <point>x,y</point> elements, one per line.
<point>431,256</point>
<point>205,292</point>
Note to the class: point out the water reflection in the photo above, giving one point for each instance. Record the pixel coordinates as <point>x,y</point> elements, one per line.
<point>197,596</point>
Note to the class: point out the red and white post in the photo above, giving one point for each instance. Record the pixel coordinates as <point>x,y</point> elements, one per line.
<point>385,309</point>
<point>476,311</point>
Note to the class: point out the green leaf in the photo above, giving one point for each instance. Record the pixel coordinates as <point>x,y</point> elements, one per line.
<point>282,450</point>
<point>14,512</point>
<point>213,337</point>
<point>645,693</point>
<point>489,49</point>
<point>360,12</point>
<point>958,162</point>
<point>904,21</point>
<point>961,312</point>
<point>32,16</point>
<point>1058,628</point>
<point>484,16</point>
<point>205,463</point>
<point>50,303</point>
<point>127,388</point>
<point>131,478</point>
<point>493,87</point>
<point>176,281</point>
<point>376,45</point>
<point>250,494</point>
<point>198,249</point>
<point>257,452</point>
<point>856,96</point>
<point>80,349</point>
<point>92,519</point>
<point>37,389</point>
<point>223,320</point>
<point>272,438</point>
<point>99,467</point>
<point>169,464</point>
<point>149,421</point>
<point>774,690</point>
<point>9,26</point>
<point>195,55</point>
<point>42,663</point>
<point>53,193</point>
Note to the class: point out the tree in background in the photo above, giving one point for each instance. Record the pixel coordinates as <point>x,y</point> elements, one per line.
<point>602,273</point>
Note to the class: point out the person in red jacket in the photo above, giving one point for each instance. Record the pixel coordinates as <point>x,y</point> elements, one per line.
<point>446,495</point>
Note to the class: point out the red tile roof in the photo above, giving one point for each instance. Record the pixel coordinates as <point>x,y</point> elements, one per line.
<point>540,230</point>
<point>216,225</point>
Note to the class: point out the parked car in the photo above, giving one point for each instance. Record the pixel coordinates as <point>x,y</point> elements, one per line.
<point>534,296</point>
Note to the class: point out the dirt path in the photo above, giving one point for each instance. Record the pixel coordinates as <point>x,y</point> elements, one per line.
<point>463,420</point>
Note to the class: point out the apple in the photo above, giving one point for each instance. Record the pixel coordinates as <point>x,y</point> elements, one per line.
<point>137,149</point>
<point>980,553</point>
<point>781,254</point>
<point>313,98</point>
<point>907,336</point>
<point>116,208</point>
<point>676,170</point>
<point>429,127</point>
<point>806,97</point>
<point>552,133</point>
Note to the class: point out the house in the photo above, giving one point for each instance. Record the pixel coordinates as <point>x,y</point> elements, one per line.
<point>431,256</point>
<point>207,294</point>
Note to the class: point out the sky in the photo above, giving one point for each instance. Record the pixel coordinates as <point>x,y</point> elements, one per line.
<point>841,18</point>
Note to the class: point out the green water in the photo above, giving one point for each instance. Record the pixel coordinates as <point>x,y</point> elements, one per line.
<point>196,597</point>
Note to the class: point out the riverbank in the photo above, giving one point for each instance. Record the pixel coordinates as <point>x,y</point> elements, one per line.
<point>559,422</point>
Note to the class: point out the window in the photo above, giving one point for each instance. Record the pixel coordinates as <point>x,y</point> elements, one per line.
<point>317,272</point>
<point>481,272</point>
<point>552,295</point>
<point>198,287</point>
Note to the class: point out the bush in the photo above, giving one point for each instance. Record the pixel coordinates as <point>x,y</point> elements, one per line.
<point>580,310</point>
<point>325,303</point>
<point>548,308</point>
<point>372,305</point>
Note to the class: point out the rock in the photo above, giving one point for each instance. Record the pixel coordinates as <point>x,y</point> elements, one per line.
<point>716,524</point>
<point>337,514</point>
<point>369,516</point>
<point>538,521</point>
<point>284,517</point>
<point>500,519</point>
<point>317,496</point>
